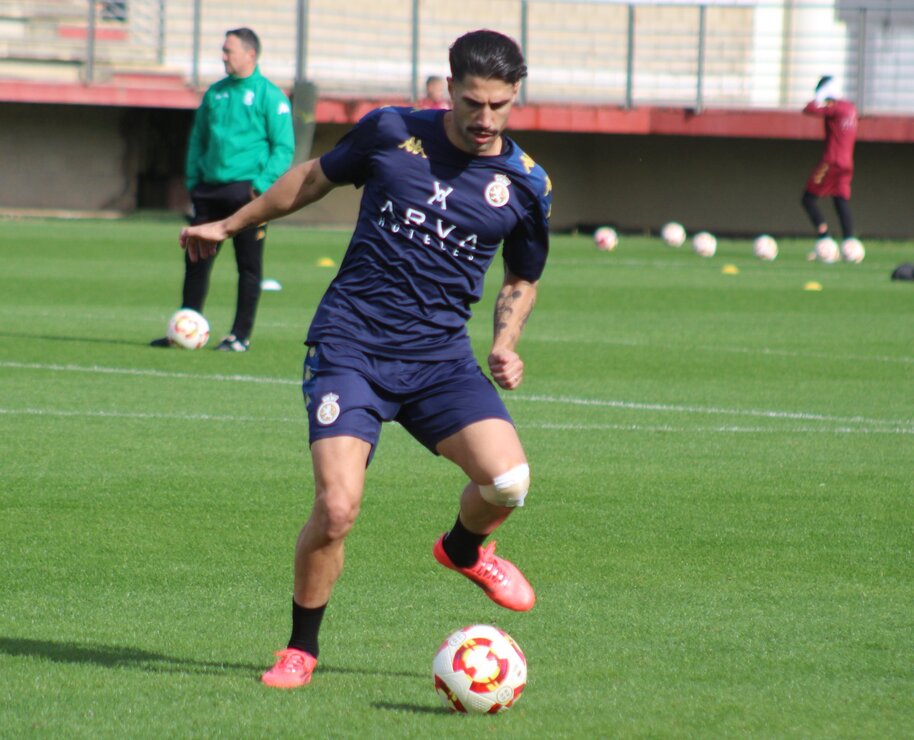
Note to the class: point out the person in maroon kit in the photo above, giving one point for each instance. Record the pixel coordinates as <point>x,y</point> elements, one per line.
<point>833,175</point>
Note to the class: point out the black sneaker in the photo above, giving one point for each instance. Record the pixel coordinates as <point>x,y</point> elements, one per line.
<point>160,342</point>
<point>231,343</point>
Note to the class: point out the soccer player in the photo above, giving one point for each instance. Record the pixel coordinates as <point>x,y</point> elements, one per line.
<point>240,143</point>
<point>833,175</point>
<point>435,94</point>
<point>441,191</point>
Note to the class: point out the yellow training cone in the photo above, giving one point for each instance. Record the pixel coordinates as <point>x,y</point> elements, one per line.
<point>813,285</point>
<point>326,262</point>
<point>730,270</point>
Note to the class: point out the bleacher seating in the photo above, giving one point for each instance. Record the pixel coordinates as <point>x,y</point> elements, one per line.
<point>716,53</point>
<point>49,41</point>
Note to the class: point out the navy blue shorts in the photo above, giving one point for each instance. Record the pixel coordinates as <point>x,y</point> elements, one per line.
<point>348,393</point>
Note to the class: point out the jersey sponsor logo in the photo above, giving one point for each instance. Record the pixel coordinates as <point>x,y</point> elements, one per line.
<point>497,193</point>
<point>249,97</point>
<point>417,225</point>
<point>329,410</point>
<point>283,109</point>
<point>440,195</point>
<point>413,146</point>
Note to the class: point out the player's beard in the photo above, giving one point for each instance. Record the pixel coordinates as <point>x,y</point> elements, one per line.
<point>483,140</point>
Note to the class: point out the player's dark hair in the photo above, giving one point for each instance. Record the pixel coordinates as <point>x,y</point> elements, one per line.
<point>489,55</point>
<point>247,37</point>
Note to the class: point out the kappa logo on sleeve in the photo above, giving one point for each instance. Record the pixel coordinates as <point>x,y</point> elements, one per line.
<point>413,145</point>
<point>283,109</point>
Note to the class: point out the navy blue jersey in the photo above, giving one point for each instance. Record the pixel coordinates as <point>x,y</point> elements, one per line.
<point>431,220</point>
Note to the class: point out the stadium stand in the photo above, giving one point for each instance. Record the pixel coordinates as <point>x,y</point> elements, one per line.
<point>653,71</point>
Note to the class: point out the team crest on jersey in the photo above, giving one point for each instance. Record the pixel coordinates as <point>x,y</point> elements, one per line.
<point>497,193</point>
<point>249,97</point>
<point>329,410</point>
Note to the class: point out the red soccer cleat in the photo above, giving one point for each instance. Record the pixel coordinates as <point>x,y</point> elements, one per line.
<point>293,669</point>
<point>499,578</point>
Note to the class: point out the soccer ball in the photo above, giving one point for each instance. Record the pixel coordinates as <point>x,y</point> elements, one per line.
<point>765,248</point>
<point>704,244</point>
<point>479,669</point>
<point>606,239</point>
<point>188,329</point>
<point>826,250</point>
<point>673,234</point>
<point>852,250</point>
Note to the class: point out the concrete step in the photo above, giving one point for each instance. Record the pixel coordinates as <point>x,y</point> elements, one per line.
<point>40,70</point>
<point>69,10</point>
<point>148,77</point>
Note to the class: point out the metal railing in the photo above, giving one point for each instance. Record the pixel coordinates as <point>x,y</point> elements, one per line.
<point>696,55</point>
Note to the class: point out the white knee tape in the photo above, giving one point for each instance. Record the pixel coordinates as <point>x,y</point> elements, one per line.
<point>508,489</point>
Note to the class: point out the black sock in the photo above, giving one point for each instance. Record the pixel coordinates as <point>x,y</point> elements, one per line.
<point>305,625</point>
<point>844,215</point>
<point>462,546</point>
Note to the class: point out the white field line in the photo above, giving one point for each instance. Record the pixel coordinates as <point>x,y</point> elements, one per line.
<point>814,355</point>
<point>674,408</point>
<point>900,424</point>
<point>98,370</point>
<point>728,429</point>
<point>765,351</point>
<point>83,414</point>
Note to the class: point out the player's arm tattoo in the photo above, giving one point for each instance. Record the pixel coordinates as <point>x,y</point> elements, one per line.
<point>512,310</point>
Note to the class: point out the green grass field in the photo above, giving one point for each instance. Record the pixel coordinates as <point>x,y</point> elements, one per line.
<point>720,529</point>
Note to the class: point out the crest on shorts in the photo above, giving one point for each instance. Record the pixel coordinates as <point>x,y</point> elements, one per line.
<point>497,193</point>
<point>329,410</point>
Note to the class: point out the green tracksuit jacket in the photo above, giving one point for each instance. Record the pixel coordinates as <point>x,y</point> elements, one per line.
<point>242,131</point>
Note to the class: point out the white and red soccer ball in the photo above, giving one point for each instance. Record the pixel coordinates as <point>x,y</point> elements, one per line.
<point>480,670</point>
<point>705,244</point>
<point>826,250</point>
<point>606,238</point>
<point>188,329</point>
<point>852,250</point>
<point>673,234</point>
<point>765,248</point>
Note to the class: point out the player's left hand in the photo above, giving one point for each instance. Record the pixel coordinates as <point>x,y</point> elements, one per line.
<point>201,242</point>
<point>507,368</point>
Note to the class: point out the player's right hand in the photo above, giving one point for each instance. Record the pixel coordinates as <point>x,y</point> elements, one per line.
<point>201,242</point>
<point>507,368</point>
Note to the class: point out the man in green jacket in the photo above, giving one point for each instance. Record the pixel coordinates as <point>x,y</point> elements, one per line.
<point>240,143</point>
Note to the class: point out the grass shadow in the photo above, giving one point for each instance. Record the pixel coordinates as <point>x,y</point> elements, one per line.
<point>85,340</point>
<point>322,668</point>
<point>412,708</point>
<point>112,656</point>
